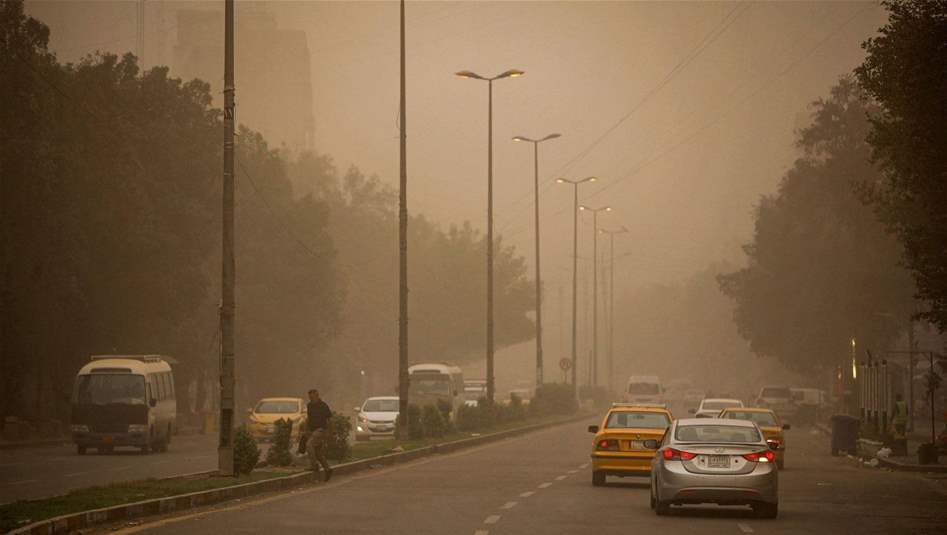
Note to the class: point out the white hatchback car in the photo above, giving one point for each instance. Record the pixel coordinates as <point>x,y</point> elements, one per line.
<point>376,417</point>
<point>711,407</point>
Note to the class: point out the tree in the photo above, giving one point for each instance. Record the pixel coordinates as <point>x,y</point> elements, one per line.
<point>821,268</point>
<point>906,72</point>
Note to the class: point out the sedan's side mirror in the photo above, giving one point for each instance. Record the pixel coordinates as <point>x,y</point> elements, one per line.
<point>691,411</point>
<point>357,409</point>
<point>593,429</point>
<point>249,412</point>
<point>651,444</point>
<point>787,427</point>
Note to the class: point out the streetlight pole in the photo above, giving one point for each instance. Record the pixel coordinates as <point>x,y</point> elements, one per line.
<point>575,267</point>
<point>403,241</point>
<point>512,73</point>
<point>611,303</point>
<point>539,301</point>
<point>595,211</point>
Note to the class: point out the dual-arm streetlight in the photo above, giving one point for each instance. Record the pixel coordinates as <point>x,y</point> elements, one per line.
<point>611,303</point>
<point>512,73</point>
<point>539,303</point>
<point>575,260</point>
<point>595,211</point>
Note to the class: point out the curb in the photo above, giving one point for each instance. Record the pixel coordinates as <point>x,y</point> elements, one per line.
<point>35,443</point>
<point>909,467</point>
<point>85,519</point>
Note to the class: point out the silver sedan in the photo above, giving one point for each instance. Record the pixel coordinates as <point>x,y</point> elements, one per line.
<point>712,460</point>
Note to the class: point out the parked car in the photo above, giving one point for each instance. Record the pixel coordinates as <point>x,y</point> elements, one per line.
<point>711,407</point>
<point>263,416</point>
<point>713,460</point>
<point>769,424</point>
<point>376,417</point>
<point>778,398</point>
<point>618,448</point>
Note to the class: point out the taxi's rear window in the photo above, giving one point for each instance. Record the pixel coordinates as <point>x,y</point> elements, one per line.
<point>640,420</point>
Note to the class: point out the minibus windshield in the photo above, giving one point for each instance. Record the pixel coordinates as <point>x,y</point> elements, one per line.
<point>106,389</point>
<point>430,385</point>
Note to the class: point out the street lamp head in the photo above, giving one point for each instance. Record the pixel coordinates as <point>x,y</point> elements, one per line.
<point>590,179</point>
<point>561,181</point>
<point>551,136</point>
<point>512,73</point>
<point>469,74</point>
<point>583,207</point>
<point>608,208</point>
<point>522,138</point>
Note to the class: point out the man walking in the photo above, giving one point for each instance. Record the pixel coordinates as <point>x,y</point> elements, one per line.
<point>319,423</point>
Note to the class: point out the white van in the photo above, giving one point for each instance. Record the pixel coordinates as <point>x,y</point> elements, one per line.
<point>644,389</point>
<point>437,384</point>
<point>124,400</point>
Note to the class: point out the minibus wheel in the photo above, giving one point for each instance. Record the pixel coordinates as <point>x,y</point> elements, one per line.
<point>80,450</point>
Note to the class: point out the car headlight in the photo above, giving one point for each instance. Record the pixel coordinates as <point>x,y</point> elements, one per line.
<point>137,428</point>
<point>76,428</point>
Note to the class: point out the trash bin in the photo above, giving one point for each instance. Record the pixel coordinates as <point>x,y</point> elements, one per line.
<point>844,433</point>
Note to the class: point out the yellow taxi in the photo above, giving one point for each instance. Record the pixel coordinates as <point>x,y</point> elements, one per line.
<point>619,447</point>
<point>768,423</point>
<point>263,416</point>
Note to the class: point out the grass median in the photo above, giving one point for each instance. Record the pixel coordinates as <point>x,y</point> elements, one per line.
<point>17,514</point>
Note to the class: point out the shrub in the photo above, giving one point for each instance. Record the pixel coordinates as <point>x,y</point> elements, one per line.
<point>516,410</point>
<point>278,454</point>
<point>246,454</point>
<point>433,423</point>
<point>599,395</point>
<point>553,399</point>
<point>468,418</point>
<point>337,445</point>
<point>410,430</point>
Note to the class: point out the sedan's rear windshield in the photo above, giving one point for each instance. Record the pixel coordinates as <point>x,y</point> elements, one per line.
<point>643,389</point>
<point>277,407</point>
<point>716,434</point>
<point>776,392</point>
<point>645,420</point>
<point>761,418</point>
<point>718,405</point>
<point>381,405</point>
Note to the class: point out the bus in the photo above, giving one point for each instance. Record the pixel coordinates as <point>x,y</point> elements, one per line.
<point>437,384</point>
<point>124,400</point>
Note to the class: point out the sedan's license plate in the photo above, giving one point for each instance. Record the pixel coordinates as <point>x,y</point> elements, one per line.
<point>634,444</point>
<point>718,461</point>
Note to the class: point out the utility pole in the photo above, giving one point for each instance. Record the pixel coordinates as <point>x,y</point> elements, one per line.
<point>594,379</point>
<point>539,285</point>
<point>611,304</point>
<point>140,33</point>
<point>403,245</point>
<point>227,308</point>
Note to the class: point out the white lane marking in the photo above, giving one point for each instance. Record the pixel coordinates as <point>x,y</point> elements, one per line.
<point>508,505</point>
<point>744,528</point>
<point>560,478</point>
<point>527,494</point>
<point>573,471</point>
<point>120,468</point>
<point>21,482</point>
<point>581,466</point>
<point>481,532</point>
<point>584,466</point>
<point>492,519</point>
<point>74,474</point>
<point>545,485</point>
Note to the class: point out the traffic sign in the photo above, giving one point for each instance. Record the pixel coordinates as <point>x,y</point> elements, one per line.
<point>565,364</point>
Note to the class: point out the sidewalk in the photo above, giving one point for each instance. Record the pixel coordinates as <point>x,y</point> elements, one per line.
<point>906,463</point>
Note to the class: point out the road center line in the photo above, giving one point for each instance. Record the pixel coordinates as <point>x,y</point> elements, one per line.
<point>584,466</point>
<point>744,528</point>
<point>75,474</point>
<point>492,519</point>
<point>120,468</point>
<point>527,494</point>
<point>545,485</point>
<point>481,532</point>
<point>573,471</point>
<point>560,478</point>
<point>508,505</point>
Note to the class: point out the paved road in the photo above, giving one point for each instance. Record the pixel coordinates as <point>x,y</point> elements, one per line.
<point>541,484</point>
<point>48,471</point>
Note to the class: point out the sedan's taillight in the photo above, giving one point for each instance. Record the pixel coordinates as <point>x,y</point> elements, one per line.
<point>671,454</point>
<point>607,444</point>
<point>760,456</point>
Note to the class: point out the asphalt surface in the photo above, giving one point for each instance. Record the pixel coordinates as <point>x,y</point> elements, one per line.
<point>541,484</point>
<point>51,470</point>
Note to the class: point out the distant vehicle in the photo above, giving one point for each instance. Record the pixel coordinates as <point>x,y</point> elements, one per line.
<point>711,407</point>
<point>769,424</point>
<point>376,417</point>
<point>436,384</point>
<point>124,400</point>
<point>644,389</point>
<point>524,394</point>
<point>692,398</point>
<point>711,460</point>
<point>778,398</point>
<point>809,397</point>
<point>618,448</point>
<point>267,411</point>
<point>474,389</point>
